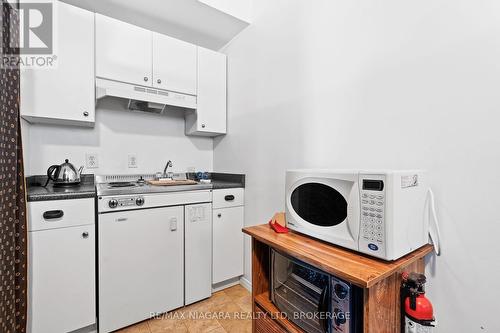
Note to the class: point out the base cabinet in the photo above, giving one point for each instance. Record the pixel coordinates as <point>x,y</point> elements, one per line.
<point>228,243</point>
<point>141,265</point>
<point>197,250</point>
<point>228,220</point>
<point>62,279</point>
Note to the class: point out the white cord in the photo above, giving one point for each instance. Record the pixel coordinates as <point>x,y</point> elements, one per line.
<point>434,234</point>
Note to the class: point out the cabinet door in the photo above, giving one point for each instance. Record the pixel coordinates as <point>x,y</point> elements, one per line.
<point>227,243</point>
<point>123,51</point>
<point>198,245</point>
<point>141,265</point>
<point>211,101</point>
<point>174,64</point>
<point>62,279</point>
<point>64,94</point>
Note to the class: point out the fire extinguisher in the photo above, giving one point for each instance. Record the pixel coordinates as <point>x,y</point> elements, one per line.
<point>417,315</point>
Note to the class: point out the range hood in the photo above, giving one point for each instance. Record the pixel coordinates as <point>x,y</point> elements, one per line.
<point>146,99</point>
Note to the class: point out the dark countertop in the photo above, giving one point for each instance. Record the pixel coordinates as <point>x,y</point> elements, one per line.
<point>220,184</point>
<point>226,180</point>
<point>36,191</point>
<point>86,189</point>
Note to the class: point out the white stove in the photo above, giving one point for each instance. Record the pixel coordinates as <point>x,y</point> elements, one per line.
<point>154,248</point>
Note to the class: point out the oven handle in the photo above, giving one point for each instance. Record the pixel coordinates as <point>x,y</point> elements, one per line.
<point>323,309</point>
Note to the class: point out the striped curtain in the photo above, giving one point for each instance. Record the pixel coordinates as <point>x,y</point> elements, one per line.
<point>13,233</point>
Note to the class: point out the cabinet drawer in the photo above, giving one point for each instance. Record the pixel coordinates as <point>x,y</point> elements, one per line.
<point>54,214</point>
<point>230,197</point>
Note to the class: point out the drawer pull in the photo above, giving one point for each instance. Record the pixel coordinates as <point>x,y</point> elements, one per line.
<point>229,197</point>
<point>85,234</point>
<point>53,214</point>
<point>219,215</point>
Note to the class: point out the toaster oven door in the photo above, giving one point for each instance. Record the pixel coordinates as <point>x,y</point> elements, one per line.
<point>326,208</point>
<point>302,293</point>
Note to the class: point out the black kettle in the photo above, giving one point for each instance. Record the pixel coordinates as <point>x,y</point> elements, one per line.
<point>64,175</point>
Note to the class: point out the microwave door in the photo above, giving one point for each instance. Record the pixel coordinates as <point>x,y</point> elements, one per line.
<point>327,209</point>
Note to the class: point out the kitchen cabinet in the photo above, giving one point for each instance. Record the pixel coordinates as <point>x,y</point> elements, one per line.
<point>174,64</point>
<point>123,51</point>
<point>141,265</point>
<point>198,247</point>
<point>155,60</point>
<point>209,119</point>
<point>62,265</point>
<point>228,220</point>
<point>64,94</point>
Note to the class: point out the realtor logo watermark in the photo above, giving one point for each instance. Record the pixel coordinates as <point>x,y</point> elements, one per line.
<point>34,46</point>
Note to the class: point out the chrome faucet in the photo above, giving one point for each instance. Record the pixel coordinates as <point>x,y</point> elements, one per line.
<point>169,164</point>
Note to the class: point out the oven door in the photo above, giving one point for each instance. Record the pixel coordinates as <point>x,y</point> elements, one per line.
<point>301,292</point>
<point>325,206</point>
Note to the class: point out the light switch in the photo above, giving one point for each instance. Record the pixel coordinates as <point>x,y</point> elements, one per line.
<point>91,161</point>
<point>132,161</point>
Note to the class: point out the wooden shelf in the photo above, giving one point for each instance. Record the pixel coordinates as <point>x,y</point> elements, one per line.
<point>361,270</point>
<point>265,304</point>
<point>380,280</point>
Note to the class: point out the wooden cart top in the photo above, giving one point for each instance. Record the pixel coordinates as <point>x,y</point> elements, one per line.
<point>354,267</point>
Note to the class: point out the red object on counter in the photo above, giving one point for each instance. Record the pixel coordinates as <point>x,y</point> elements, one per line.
<point>278,228</point>
<point>423,309</point>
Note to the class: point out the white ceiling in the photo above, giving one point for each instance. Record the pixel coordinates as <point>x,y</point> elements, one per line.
<point>189,20</point>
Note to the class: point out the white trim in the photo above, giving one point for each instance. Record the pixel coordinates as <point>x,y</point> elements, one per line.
<point>225,284</point>
<point>246,283</point>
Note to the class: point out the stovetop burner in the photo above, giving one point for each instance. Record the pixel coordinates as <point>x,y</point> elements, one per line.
<point>115,185</point>
<point>122,184</point>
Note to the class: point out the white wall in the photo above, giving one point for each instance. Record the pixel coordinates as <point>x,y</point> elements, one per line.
<point>379,84</point>
<point>25,128</point>
<point>118,133</point>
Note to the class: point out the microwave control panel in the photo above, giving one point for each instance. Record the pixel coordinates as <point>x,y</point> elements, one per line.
<point>372,229</point>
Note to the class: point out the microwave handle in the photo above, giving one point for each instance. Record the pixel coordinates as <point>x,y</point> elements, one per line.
<point>323,308</point>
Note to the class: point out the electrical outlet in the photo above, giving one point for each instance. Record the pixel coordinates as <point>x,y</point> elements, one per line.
<point>132,161</point>
<point>91,161</point>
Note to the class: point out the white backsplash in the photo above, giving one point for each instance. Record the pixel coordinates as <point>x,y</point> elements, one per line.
<point>117,134</point>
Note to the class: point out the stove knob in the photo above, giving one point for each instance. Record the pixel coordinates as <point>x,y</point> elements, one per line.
<point>139,201</point>
<point>113,203</point>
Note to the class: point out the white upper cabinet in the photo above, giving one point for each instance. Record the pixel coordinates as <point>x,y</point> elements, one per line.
<point>65,94</point>
<point>174,64</point>
<point>123,51</point>
<point>210,116</point>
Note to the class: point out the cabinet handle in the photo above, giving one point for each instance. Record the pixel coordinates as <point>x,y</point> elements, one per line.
<point>158,81</point>
<point>53,214</point>
<point>146,79</point>
<point>85,234</point>
<point>202,125</point>
<point>229,197</point>
<point>85,114</point>
<point>219,215</point>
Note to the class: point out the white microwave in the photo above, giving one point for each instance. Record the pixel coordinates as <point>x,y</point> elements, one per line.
<point>379,213</point>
